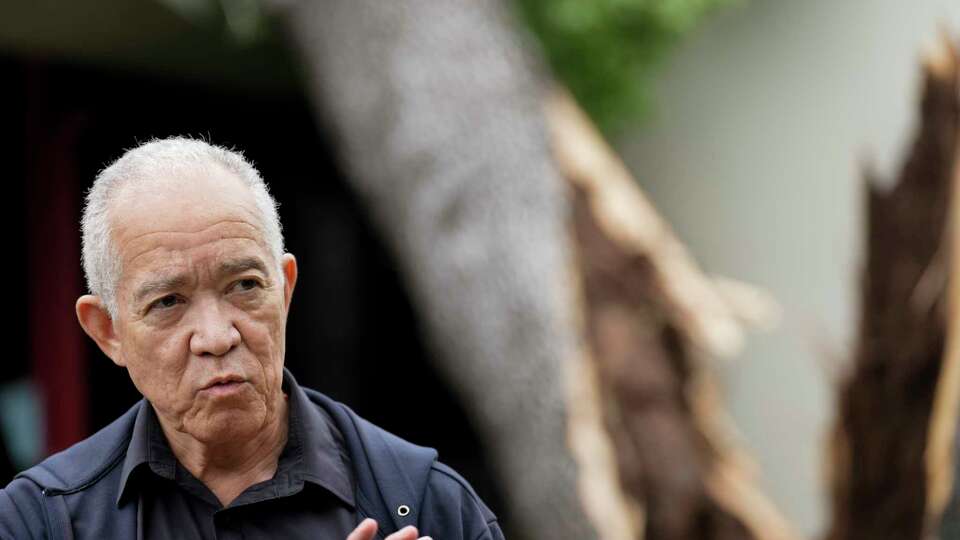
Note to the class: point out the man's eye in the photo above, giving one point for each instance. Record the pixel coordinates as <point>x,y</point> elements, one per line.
<point>247,284</point>
<point>166,302</point>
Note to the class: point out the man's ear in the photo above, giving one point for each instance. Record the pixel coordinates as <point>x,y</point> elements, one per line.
<point>96,322</point>
<point>288,264</point>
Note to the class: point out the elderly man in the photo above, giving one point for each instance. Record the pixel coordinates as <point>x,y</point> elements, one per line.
<point>190,290</point>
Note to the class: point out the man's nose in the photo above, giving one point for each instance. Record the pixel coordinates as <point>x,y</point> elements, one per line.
<point>214,333</point>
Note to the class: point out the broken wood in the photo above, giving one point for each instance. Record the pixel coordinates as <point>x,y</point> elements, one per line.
<point>652,319</point>
<point>891,443</point>
<point>941,441</point>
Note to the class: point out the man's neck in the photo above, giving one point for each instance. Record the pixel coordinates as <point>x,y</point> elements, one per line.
<point>230,468</point>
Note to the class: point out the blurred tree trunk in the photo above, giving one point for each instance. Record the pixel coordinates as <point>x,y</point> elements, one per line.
<point>439,118</point>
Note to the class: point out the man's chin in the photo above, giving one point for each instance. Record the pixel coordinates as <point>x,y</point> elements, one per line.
<point>226,424</point>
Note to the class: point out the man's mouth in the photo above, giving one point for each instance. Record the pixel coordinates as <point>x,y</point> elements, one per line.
<point>223,385</point>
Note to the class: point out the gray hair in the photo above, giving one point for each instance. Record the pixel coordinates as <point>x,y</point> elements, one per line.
<point>153,160</point>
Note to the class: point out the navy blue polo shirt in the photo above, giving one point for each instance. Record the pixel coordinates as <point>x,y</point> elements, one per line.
<point>310,496</point>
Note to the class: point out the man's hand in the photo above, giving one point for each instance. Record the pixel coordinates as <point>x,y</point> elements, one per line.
<point>368,528</point>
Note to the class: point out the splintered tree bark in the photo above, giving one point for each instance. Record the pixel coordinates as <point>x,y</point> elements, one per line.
<point>891,449</point>
<point>942,439</point>
<point>651,320</point>
<point>570,321</point>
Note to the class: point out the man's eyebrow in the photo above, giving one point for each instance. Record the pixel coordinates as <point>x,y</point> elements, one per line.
<point>236,266</point>
<point>162,284</point>
<point>226,268</point>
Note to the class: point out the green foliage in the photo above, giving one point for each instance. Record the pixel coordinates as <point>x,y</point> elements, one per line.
<point>606,51</point>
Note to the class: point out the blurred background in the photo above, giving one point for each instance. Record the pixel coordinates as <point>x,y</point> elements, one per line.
<point>749,124</point>
<point>765,120</point>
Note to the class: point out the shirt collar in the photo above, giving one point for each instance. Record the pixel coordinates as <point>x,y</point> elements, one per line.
<point>314,437</point>
<point>147,447</point>
<point>314,451</point>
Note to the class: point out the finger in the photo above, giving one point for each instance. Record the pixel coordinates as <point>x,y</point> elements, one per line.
<point>364,531</point>
<point>407,533</point>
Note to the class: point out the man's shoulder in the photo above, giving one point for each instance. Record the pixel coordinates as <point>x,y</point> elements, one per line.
<point>404,484</point>
<point>87,461</point>
<point>26,510</point>
<point>367,440</point>
<point>21,510</point>
<point>447,484</point>
<point>451,499</point>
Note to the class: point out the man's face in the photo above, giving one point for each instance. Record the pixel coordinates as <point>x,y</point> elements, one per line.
<point>202,307</point>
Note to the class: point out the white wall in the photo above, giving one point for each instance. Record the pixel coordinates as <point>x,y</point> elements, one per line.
<point>763,120</point>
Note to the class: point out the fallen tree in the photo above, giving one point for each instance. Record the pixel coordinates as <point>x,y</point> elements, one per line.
<point>576,328</point>
<point>439,115</point>
<point>652,323</point>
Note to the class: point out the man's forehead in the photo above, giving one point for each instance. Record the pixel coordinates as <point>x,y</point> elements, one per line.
<point>233,263</point>
<point>208,248</point>
<point>180,236</point>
